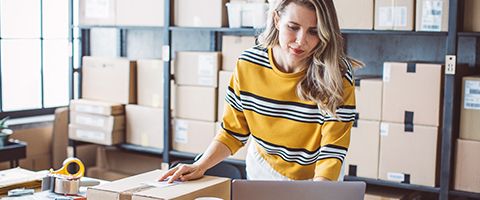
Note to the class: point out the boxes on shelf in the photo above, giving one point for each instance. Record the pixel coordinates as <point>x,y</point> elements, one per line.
<point>193,13</point>
<point>92,12</point>
<point>368,94</point>
<point>467,175</point>
<point>432,15</point>
<point>363,153</point>
<point>223,82</point>
<point>412,93</point>
<point>96,136</point>
<point>113,159</point>
<point>150,83</point>
<point>348,17</point>
<point>197,68</point>
<point>197,103</point>
<point>247,14</point>
<point>408,156</point>
<point>96,107</point>
<point>207,186</point>
<point>144,126</point>
<point>470,109</point>
<point>394,15</point>
<point>140,13</point>
<point>192,136</point>
<point>232,48</point>
<point>107,123</point>
<point>109,79</point>
<point>471,22</point>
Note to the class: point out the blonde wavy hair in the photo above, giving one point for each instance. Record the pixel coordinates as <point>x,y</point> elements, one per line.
<point>322,83</point>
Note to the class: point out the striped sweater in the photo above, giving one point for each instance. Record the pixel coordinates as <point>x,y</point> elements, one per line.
<point>292,135</point>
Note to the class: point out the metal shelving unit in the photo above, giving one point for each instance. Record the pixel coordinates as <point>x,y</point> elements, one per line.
<point>451,100</point>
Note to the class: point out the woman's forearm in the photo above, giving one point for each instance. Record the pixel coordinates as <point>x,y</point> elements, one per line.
<point>215,153</point>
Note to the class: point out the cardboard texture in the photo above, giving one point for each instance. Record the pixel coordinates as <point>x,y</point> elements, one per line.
<point>363,153</point>
<point>369,99</point>
<point>470,109</point>
<point>194,13</point>
<point>223,82</point>
<point>103,174</point>
<point>101,122</point>
<point>96,107</point>
<point>60,137</point>
<point>394,15</point>
<point>150,83</point>
<point>467,175</point>
<point>145,126</point>
<point>96,136</point>
<point>38,139</point>
<point>140,13</point>
<point>432,15</point>
<point>412,93</point>
<point>408,155</point>
<point>93,12</point>
<point>197,103</point>
<point>192,136</point>
<point>133,188</point>
<point>471,16</point>
<point>109,79</point>
<point>232,48</point>
<point>37,162</point>
<point>112,159</point>
<point>197,68</point>
<point>349,17</point>
<point>87,153</point>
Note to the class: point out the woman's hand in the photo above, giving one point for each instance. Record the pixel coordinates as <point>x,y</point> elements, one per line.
<point>183,172</point>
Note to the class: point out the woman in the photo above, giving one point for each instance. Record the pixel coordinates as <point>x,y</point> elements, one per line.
<point>293,95</point>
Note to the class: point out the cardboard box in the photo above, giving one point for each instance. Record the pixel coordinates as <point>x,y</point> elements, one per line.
<point>109,79</point>
<point>349,16</point>
<point>140,13</point>
<point>38,139</point>
<point>368,93</point>
<point>412,93</point>
<point>192,136</point>
<point>241,154</point>
<point>60,137</point>
<point>432,15</point>
<point>207,186</point>
<point>37,162</point>
<point>103,174</point>
<point>96,136</point>
<point>467,162</point>
<point>394,15</point>
<point>363,153</point>
<point>97,12</point>
<point>409,157</point>
<point>197,103</point>
<point>193,13</point>
<point>96,107</point>
<point>223,82</point>
<point>470,109</point>
<point>113,159</point>
<point>101,122</point>
<point>150,83</point>
<point>374,193</point>
<point>197,68</point>
<point>87,153</point>
<point>232,48</point>
<point>145,126</point>
<point>471,17</point>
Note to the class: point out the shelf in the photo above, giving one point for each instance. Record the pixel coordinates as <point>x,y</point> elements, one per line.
<point>186,155</point>
<point>393,184</point>
<point>474,34</point>
<point>465,194</point>
<point>141,149</point>
<point>387,32</point>
<point>118,27</point>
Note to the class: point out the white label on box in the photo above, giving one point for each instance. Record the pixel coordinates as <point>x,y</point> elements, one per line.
<point>181,131</point>
<point>90,121</point>
<point>97,9</point>
<point>398,177</point>
<point>385,16</point>
<point>384,129</point>
<point>432,15</point>
<point>387,68</point>
<point>91,135</point>
<point>206,69</point>
<point>144,139</point>
<point>90,109</point>
<point>472,95</point>
<point>400,16</point>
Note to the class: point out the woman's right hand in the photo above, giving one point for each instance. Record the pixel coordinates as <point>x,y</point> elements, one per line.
<point>183,172</point>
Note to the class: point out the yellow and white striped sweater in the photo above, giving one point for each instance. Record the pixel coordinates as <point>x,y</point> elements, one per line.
<point>292,135</point>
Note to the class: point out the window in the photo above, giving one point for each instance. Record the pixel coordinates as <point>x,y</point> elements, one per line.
<point>35,54</point>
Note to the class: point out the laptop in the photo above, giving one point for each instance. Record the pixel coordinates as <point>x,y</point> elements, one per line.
<point>297,190</point>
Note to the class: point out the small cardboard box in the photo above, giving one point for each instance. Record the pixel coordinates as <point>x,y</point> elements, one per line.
<point>432,15</point>
<point>150,83</point>
<point>96,107</point>
<point>470,109</point>
<point>467,175</point>
<point>232,48</point>
<point>197,103</point>
<point>395,15</point>
<point>362,157</point>
<point>96,136</point>
<point>197,68</point>
<point>140,13</point>
<point>145,126</point>
<point>146,187</point>
<point>192,136</point>
<point>349,17</point>
<point>195,13</point>
<point>102,122</point>
<point>368,93</point>
<point>471,17</point>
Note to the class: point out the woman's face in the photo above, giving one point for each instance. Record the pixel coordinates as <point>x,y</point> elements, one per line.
<point>298,35</point>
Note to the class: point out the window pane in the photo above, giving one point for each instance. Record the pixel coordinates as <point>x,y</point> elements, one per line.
<point>56,72</point>
<point>20,18</point>
<point>21,74</point>
<point>55,19</point>
<point>76,5</point>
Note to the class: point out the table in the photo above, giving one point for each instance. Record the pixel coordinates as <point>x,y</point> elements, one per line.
<point>13,151</point>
